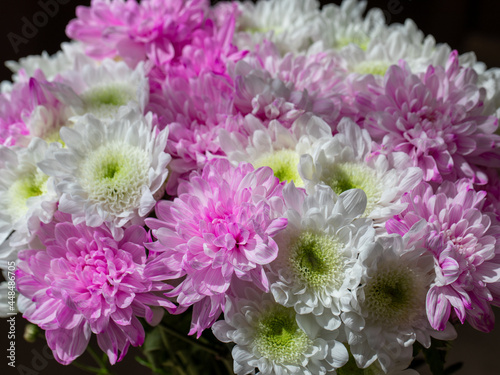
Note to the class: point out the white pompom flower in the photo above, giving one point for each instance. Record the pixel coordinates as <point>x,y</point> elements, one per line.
<point>109,171</point>
<point>345,25</point>
<point>346,161</point>
<point>370,46</point>
<point>387,312</point>
<point>269,337</point>
<point>274,146</point>
<point>71,56</point>
<point>101,90</point>
<point>27,195</point>
<point>293,25</point>
<point>318,250</point>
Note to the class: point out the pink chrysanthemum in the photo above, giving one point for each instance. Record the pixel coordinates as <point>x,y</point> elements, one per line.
<point>466,249</point>
<point>85,282</point>
<point>492,189</point>
<point>28,110</point>
<point>219,228</point>
<point>194,109</point>
<point>319,74</point>
<point>259,93</point>
<point>436,118</point>
<point>154,29</point>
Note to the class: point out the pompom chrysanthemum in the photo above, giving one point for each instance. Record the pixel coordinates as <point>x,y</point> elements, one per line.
<point>268,337</point>
<point>436,118</point>
<point>27,195</point>
<point>345,161</point>
<point>109,172</point>
<point>83,282</point>
<point>465,246</point>
<point>101,90</point>
<point>273,20</point>
<point>274,146</point>
<point>318,249</point>
<point>134,31</point>
<point>29,110</point>
<point>220,227</point>
<point>386,313</point>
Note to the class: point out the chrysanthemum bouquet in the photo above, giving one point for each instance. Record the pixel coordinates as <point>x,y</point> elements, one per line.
<point>315,191</point>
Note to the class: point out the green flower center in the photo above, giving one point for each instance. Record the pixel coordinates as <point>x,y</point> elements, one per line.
<point>114,175</point>
<point>346,176</point>
<point>278,337</point>
<point>394,296</point>
<point>104,101</point>
<point>316,260</point>
<point>378,68</point>
<point>361,40</point>
<point>30,185</point>
<point>284,164</point>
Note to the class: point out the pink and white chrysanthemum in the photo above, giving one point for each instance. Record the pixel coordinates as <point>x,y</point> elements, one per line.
<point>268,336</point>
<point>386,314</point>
<point>83,282</point>
<point>436,118</point>
<point>109,172</point>
<point>320,74</point>
<point>220,227</point>
<point>265,96</point>
<point>153,29</point>
<point>29,110</point>
<point>345,161</point>
<point>464,242</point>
<point>274,146</point>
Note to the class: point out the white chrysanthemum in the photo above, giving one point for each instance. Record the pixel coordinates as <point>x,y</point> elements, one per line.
<point>45,122</point>
<point>345,162</point>
<point>351,368</point>
<point>268,337</point>
<point>387,313</point>
<point>27,195</point>
<point>370,46</point>
<point>318,250</point>
<point>109,171</point>
<point>293,25</point>
<point>345,25</point>
<point>274,146</point>
<point>404,42</point>
<point>489,79</point>
<point>70,56</point>
<point>101,90</point>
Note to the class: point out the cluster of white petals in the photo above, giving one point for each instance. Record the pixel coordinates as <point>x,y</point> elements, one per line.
<point>27,195</point>
<point>109,172</point>
<point>346,161</point>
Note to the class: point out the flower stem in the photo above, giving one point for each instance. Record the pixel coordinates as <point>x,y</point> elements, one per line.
<point>103,369</point>
<point>91,369</point>
<point>178,365</point>
<point>189,340</point>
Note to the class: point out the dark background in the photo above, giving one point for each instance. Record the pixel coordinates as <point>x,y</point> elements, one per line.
<point>466,25</point>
